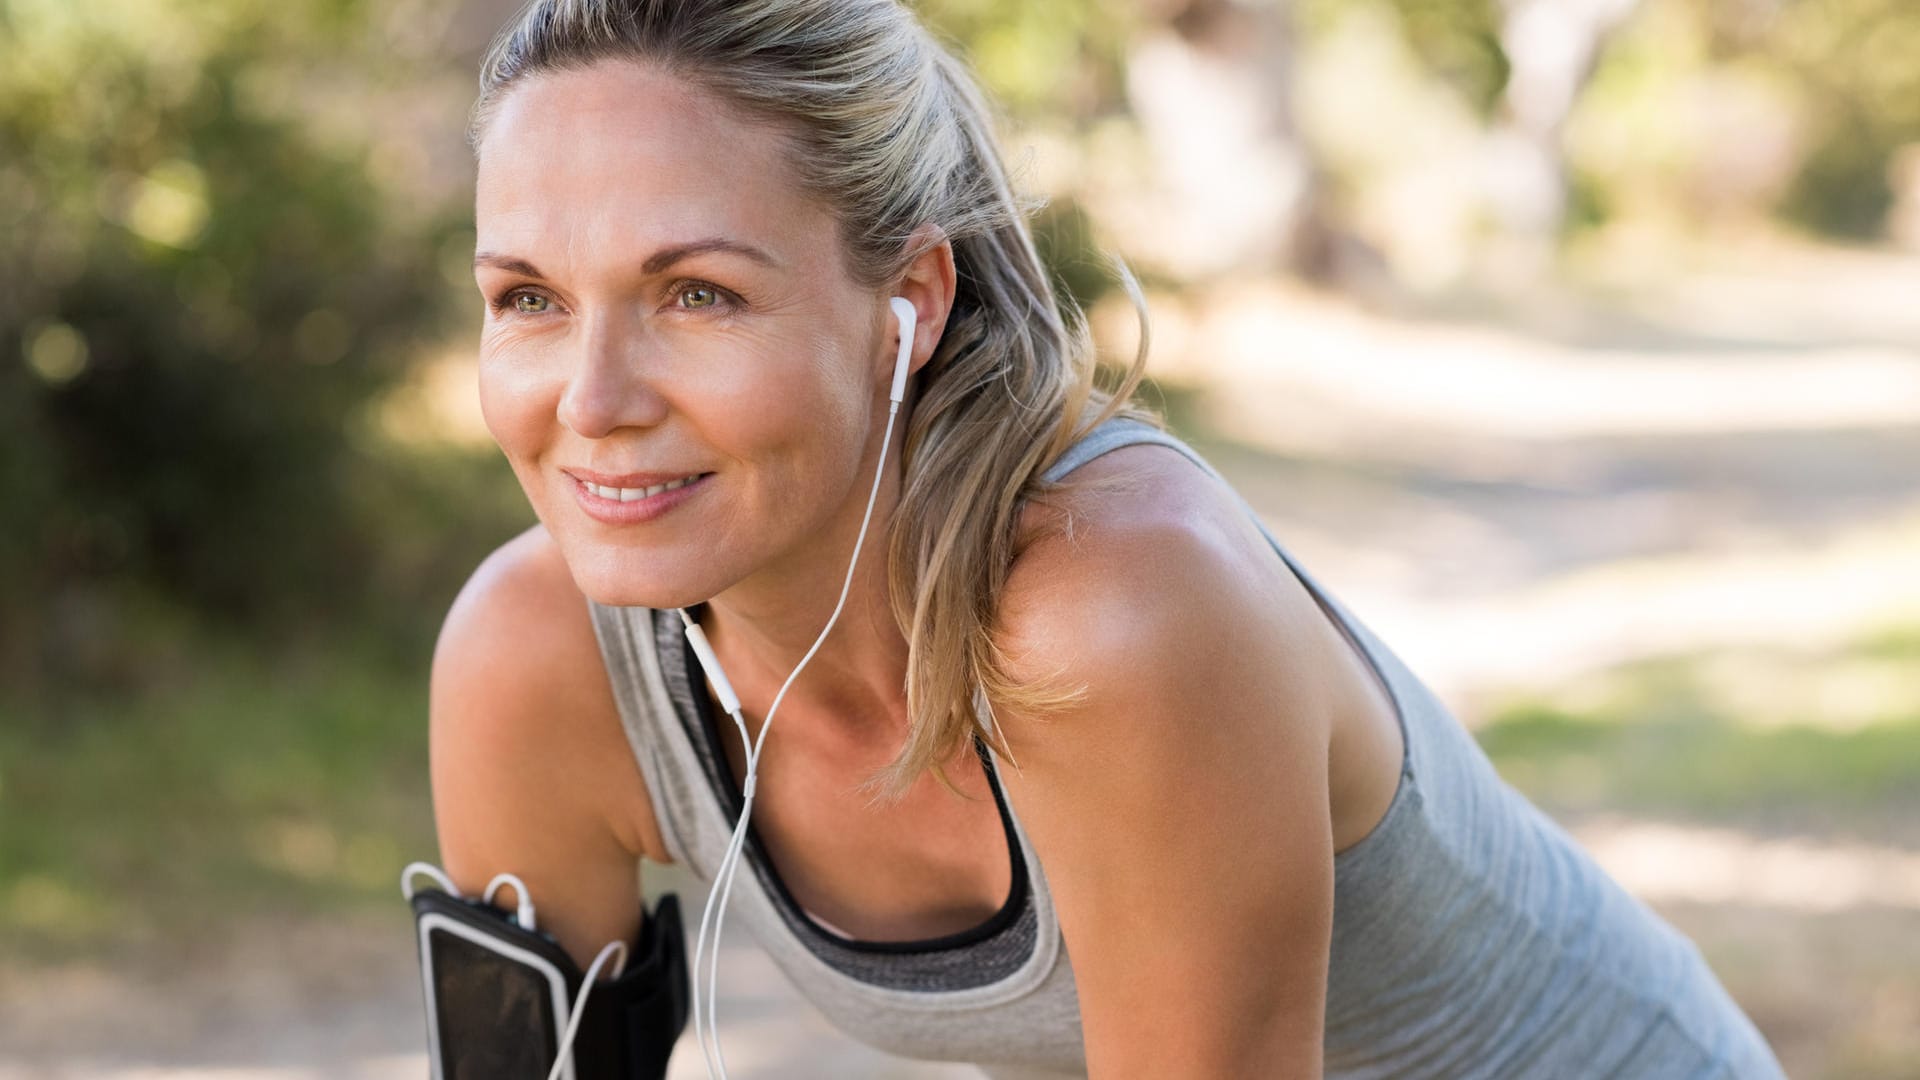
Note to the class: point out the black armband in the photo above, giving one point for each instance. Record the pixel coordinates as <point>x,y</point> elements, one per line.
<point>498,996</point>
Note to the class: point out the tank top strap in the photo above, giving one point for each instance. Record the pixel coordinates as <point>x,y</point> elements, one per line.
<point>1112,434</point>
<point>1120,431</point>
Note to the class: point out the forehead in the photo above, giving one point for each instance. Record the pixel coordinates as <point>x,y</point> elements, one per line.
<point>615,159</point>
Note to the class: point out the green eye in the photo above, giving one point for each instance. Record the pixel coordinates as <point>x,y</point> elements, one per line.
<point>699,296</point>
<point>520,303</point>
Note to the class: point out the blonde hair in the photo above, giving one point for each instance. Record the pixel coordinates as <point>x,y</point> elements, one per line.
<point>888,129</point>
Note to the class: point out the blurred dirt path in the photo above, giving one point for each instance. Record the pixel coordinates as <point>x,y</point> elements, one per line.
<point>1730,459</point>
<point>311,1000</point>
<point>1819,945</point>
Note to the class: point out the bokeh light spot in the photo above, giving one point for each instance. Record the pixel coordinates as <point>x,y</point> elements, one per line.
<point>56,352</point>
<point>169,205</point>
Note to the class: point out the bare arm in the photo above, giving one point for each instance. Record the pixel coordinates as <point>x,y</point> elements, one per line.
<point>531,770</point>
<point>1181,806</point>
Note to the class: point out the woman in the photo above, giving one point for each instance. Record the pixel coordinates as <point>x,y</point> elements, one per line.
<point>1108,717</point>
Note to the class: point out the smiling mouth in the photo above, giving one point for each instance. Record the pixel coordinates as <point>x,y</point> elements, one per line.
<point>633,494</point>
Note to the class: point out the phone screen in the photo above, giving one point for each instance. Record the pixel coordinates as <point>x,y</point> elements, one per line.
<point>496,1013</point>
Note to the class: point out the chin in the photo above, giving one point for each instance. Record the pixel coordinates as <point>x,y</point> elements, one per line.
<point>624,577</point>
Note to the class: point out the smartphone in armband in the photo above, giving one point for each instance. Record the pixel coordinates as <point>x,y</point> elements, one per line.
<point>498,996</point>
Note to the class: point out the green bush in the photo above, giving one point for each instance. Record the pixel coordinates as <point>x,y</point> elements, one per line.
<point>200,297</point>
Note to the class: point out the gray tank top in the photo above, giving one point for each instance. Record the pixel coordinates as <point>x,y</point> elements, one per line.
<point>1472,937</point>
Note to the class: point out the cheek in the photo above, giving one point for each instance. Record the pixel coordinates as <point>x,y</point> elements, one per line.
<point>517,401</point>
<point>824,411</point>
<point>792,425</point>
<point>794,398</point>
<point>774,428</point>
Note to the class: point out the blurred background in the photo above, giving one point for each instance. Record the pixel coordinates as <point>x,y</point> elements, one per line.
<point>1574,343</point>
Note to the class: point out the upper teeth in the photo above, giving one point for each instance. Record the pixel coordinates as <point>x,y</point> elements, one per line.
<point>630,494</point>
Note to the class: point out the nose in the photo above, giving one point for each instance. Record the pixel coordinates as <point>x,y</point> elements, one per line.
<point>609,386</point>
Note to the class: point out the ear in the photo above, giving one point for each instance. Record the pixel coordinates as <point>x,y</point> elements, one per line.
<point>928,284</point>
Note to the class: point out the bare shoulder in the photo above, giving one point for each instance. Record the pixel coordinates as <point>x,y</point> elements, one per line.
<point>518,673</point>
<point>1143,571</point>
<point>1142,579</point>
<point>1201,732</point>
<point>1142,557</point>
<point>531,770</point>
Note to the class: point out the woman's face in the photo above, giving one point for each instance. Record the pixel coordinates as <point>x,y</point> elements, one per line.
<point>663,303</point>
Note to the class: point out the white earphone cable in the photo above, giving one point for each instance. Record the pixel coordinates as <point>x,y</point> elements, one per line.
<point>730,862</point>
<point>616,949</point>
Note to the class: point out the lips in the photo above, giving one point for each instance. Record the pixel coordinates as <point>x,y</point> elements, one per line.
<point>626,493</point>
<point>632,498</point>
<point>630,479</point>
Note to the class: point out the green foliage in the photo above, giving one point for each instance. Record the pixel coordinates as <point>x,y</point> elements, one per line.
<point>1587,202</point>
<point>1842,189</point>
<point>1661,740</point>
<point>244,783</point>
<point>1060,59</point>
<point>1852,62</point>
<point>1710,766</point>
<point>1063,234</point>
<point>1047,63</point>
<point>1457,40</point>
<point>1460,41</point>
<point>1856,58</point>
<point>201,296</point>
<point>1843,70</point>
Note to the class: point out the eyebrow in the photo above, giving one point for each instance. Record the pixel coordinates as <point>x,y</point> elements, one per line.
<point>655,263</point>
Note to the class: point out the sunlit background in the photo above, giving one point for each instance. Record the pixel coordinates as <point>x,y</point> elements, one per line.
<point>1574,343</point>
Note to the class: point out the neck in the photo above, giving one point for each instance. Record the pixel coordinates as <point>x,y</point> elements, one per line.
<point>762,626</point>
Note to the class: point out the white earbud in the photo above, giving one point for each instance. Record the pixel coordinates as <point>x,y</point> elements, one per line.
<point>902,310</point>
<point>714,917</point>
